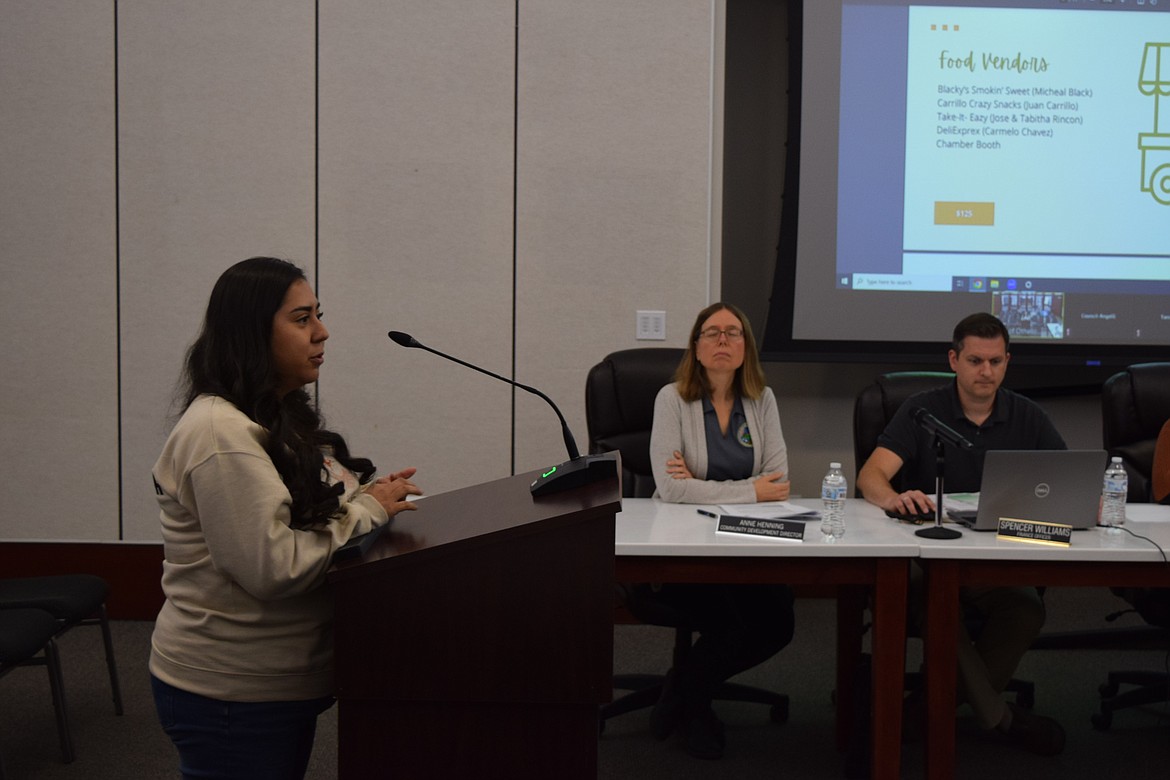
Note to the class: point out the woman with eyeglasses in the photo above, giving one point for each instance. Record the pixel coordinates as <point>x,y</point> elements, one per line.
<point>716,439</point>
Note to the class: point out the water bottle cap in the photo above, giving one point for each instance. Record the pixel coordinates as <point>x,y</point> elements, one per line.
<point>834,465</point>
<point>1116,459</point>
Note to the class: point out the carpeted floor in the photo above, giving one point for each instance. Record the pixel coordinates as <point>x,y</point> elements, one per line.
<point>1137,745</point>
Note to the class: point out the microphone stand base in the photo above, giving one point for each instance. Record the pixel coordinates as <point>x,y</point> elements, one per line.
<point>574,473</point>
<point>938,532</point>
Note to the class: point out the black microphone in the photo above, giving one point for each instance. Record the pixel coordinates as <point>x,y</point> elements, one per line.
<point>574,472</point>
<point>940,429</point>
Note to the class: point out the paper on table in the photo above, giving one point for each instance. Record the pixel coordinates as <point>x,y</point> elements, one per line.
<point>770,510</point>
<point>961,502</point>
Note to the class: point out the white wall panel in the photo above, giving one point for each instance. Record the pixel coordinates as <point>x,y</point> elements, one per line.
<point>58,389</point>
<point>217,164</point>
<point>416,232</point>
<point>209,154</point>
<point>615,197</point>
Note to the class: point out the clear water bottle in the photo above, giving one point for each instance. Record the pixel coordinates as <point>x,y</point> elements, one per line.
<point>1114,491</point>
<point>833,490</point>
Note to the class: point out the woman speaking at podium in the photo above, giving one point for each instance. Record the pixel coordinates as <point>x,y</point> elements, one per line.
<point>716,439</point>
<point>256,495</point>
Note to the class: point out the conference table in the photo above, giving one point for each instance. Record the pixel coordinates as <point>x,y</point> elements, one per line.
<point>661,542</point>
<point>1095,557</point>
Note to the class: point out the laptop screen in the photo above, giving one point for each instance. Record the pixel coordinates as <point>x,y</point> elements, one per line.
<point>1049,486</point>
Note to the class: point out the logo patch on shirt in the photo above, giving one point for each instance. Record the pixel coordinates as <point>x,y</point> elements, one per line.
<point>743,435</point>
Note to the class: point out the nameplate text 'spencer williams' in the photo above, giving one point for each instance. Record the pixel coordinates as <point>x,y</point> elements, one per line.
<point>1033,532</point>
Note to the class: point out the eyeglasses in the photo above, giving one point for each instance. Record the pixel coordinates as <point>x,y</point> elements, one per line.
<point>713,334</point>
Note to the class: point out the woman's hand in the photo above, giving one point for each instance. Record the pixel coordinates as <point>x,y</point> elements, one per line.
<point>676,467</point>
<point>772,487</point>
<point>391,491</point>
<point>406,473</point>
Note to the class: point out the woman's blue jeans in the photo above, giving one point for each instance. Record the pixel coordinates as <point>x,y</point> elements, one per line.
<point>232,740</point>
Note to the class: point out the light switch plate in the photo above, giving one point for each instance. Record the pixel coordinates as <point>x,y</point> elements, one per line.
<point>651,326</point>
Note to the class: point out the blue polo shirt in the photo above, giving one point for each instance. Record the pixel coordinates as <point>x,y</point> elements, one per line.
<point>729,456</point>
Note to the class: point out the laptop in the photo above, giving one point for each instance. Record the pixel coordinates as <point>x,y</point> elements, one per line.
<point>1048,486</point>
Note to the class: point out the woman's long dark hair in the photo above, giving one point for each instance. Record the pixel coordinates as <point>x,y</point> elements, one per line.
<point>232,358</point>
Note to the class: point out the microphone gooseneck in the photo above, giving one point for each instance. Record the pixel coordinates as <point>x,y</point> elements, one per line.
<point>406,340</point>
<point>942,433</point>
<point>940,429</point>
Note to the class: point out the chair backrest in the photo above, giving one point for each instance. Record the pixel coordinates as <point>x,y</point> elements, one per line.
<point>619,409</point>
<point>876,404</point>
<point>1135,403</point>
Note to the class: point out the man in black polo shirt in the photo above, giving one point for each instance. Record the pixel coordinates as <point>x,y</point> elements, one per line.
<point>992,418</point>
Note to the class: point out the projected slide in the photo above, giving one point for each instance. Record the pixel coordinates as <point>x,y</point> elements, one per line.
<point>1033,146</point>
<point>1010,156</point>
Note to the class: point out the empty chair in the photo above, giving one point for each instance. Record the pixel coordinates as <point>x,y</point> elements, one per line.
<point>1149,686</point>
<point>1153,604</point>
<point>1135,403</point>
<point>26,639</point>
<point>73,600</point>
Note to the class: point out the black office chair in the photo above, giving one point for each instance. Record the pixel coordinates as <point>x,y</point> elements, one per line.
<point>1135,403</point>
<point>73,600</point>
<point>619,410</point>
<point>26,639</point>
<point>872,411</point>
<point>876,404</point>
<point>1152,687</point>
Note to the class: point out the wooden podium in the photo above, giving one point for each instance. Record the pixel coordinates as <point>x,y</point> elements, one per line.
<point>475,637</point>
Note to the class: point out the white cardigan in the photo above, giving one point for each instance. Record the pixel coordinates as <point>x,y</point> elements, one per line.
<point>679,425</point>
